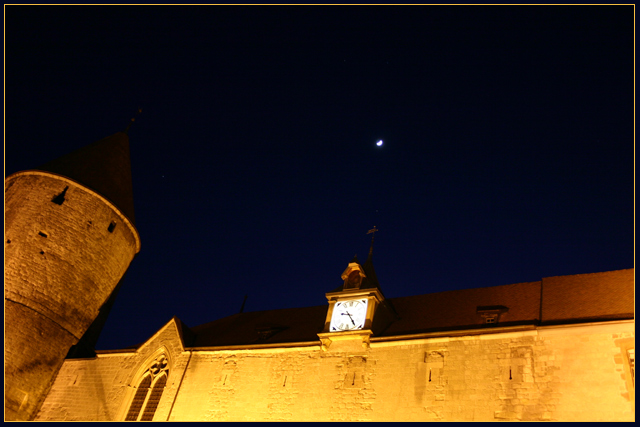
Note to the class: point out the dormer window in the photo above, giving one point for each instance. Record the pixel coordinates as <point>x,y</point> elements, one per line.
<point>491,314</point>
<point>267,331</point>
<point>491,318</point>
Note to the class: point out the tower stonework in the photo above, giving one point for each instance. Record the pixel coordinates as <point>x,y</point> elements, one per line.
<point>69,239</point>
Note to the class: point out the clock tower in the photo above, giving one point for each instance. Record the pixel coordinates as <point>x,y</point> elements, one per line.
<point>354,306</point>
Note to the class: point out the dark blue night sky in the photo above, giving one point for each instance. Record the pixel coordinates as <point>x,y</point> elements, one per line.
<point>508,149</point>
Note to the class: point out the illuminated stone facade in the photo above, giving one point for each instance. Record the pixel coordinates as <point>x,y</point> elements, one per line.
<point>559,371</point>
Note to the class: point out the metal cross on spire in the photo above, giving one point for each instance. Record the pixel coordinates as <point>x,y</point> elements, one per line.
<point>373,233</point>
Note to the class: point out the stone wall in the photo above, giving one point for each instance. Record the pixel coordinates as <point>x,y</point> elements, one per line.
<point>567,373</point>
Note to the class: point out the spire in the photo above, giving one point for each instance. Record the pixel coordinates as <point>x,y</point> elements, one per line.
<point>104,166</point>
<point>133,119</point>
<point>373,233</point>
<point>368,264</point>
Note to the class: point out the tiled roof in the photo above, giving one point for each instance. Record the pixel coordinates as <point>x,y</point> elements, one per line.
<point>263,327</point>
<point>565,299</point>
<point>459,309</point>
<point>582,297</point>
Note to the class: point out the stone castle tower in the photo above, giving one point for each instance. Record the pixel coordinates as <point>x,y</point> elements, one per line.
<point>69,239</point>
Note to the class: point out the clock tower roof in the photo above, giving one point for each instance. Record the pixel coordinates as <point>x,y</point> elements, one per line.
<point>369,279</point>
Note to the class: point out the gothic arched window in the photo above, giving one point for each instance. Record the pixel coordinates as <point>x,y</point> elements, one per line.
<point>149,391</point>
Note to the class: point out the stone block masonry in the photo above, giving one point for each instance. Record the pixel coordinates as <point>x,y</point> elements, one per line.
<point>567,373</point>
<point>63,258</point>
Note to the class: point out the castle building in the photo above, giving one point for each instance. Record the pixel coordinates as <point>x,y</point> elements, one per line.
<point>558,349</point>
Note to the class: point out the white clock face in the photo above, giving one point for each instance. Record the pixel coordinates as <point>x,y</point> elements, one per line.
<point>349,315</point>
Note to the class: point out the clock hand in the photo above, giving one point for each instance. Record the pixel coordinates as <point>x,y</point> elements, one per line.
<point>349,314</point>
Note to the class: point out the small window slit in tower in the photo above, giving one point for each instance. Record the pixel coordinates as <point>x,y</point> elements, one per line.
<point>225,380</point>
<point>429,374</point>
<point>41,252</point>
<point>42,234</point>
<point>354,379</point>
<point>59,199</point>
<point>285,382</point>
<point>510,373</point>
<point>111,227</point>
<point>8,240</point>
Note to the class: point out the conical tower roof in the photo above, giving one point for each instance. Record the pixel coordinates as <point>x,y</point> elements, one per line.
<point>104,166</point>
